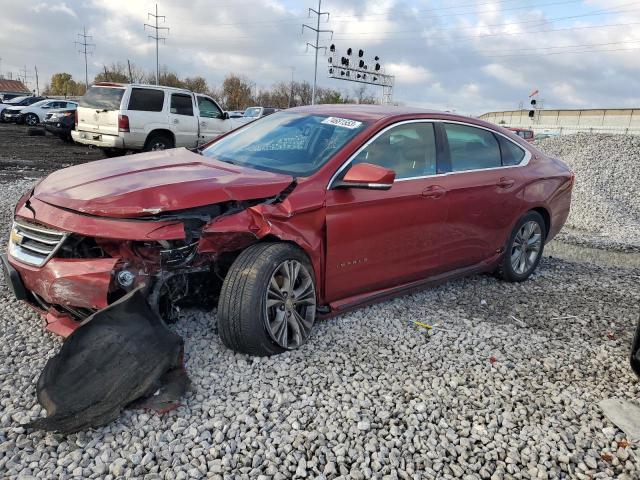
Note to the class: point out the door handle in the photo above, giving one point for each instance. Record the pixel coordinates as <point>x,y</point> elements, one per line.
<point>433,192</point>
<point>505,182</point>
<point>175,120</point>
<point>203,124</point>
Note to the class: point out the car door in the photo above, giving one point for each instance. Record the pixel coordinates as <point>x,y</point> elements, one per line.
<point>482,192</point>
<point>379,239</point>
<point>212,119</point>
<point>183,121</point>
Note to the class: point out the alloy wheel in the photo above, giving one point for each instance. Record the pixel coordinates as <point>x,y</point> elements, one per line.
<point>158,146</point>
<point>526,247</point>
<point>290,304</point>
<point>31,120</point>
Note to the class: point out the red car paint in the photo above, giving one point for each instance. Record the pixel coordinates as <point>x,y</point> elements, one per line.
<point>364,245</point>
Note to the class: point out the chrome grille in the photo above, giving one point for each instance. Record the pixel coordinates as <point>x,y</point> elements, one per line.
<point>34,244</point>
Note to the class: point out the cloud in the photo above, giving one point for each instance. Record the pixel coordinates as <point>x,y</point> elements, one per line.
<point>54,8</point>
<point>446,55</point>
<point>408,74</point>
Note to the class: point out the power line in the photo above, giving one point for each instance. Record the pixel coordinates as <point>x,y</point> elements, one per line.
<point>395,14</point>
<point>585,45</point>
<point>562,53</point>
<point>508,24</point>
<point>84,44</point>
<point>157,38</point>
<point>319,14</point>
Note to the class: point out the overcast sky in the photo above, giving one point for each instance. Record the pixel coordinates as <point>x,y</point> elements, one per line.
<point>469,56</point>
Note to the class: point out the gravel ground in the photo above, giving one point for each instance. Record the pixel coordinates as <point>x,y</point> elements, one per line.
<point>605,208</point>
<point>506,387</point>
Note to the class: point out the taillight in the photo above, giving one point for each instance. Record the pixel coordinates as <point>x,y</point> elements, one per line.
<point>123,123</point>
<point>75,118</point>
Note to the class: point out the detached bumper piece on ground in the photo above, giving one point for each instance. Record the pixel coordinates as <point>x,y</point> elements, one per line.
<point>635,352</point>
<point>121,355</point>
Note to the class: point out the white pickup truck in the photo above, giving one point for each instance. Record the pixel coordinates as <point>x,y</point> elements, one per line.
<point>119,117</point>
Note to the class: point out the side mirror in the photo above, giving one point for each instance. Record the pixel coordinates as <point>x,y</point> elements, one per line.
<point>225,115</point>
<point>369,176</point>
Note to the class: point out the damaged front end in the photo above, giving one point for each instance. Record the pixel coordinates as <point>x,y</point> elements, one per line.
<point>177,259</point>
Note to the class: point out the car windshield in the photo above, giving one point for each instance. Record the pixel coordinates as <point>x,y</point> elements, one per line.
<point>296,144</point>
<point>106,98</point>
<point>252,112</point>
<point>16,100</point>
<point>40,103</point>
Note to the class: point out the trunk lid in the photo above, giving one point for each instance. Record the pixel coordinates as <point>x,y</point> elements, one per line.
<point>155,182</point>
<point>99,108</point>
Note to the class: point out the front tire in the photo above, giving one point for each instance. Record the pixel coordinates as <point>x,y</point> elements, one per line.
<point>268,300</point>
<point>31,119</point>
<point>524,248</point>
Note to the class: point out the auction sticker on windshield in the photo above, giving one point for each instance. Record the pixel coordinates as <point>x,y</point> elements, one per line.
<point>341,122</point>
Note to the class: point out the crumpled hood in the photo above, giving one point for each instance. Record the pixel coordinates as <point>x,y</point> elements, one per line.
<point>155,182</point>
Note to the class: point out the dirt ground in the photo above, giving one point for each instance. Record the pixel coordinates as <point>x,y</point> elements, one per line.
<point>24,157</point>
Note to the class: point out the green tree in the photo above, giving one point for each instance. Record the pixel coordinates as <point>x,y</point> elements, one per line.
<point>62,84</point>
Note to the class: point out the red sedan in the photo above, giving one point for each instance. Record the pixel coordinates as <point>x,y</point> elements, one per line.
<point>307,212</point>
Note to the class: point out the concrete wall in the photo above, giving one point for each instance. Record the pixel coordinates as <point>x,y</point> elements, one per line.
<point>625,120</point>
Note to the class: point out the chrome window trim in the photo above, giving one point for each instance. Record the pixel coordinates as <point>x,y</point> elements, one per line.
<point>523,163</point>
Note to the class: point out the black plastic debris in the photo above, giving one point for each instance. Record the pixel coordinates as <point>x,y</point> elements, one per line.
<point>119,355</point>
<point>635,352</point>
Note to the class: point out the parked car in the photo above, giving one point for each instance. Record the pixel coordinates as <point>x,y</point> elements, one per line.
<point>17,102</point>
<point>35,113</point>
<point>308,212</point>
<point>8,96</point>
<point>253,113</point>
<point>525,133</point>
<point>258,112</point>
<point>118,117</point>
<point>61,122</point>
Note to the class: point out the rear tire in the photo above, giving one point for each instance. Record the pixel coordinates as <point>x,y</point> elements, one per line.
<point>524,248</point>
<point>158,141</point>
<point>260,311</point>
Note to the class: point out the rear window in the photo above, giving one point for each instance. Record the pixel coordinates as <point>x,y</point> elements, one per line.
<point>104,98</point>
<point>512,154</point>
<point>472,148</point>
<point>146,100</point>
<point>181,104</point>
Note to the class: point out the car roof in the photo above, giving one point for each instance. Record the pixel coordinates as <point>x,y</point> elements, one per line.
<point>374,113</point>
<point>140,85</point>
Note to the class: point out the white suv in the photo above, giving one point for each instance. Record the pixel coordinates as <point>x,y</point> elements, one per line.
<point>118,117</point>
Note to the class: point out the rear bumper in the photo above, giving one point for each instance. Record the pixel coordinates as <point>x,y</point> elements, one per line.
<point>98,139</point>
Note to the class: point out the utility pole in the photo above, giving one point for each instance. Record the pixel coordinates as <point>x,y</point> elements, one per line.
<point>83,44</point>
<point>318,13</point>
<point>37,82</point>
<point>157,38</point>
<point>24,75</point>
<point>291,88</point>
<point>130,76</point>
